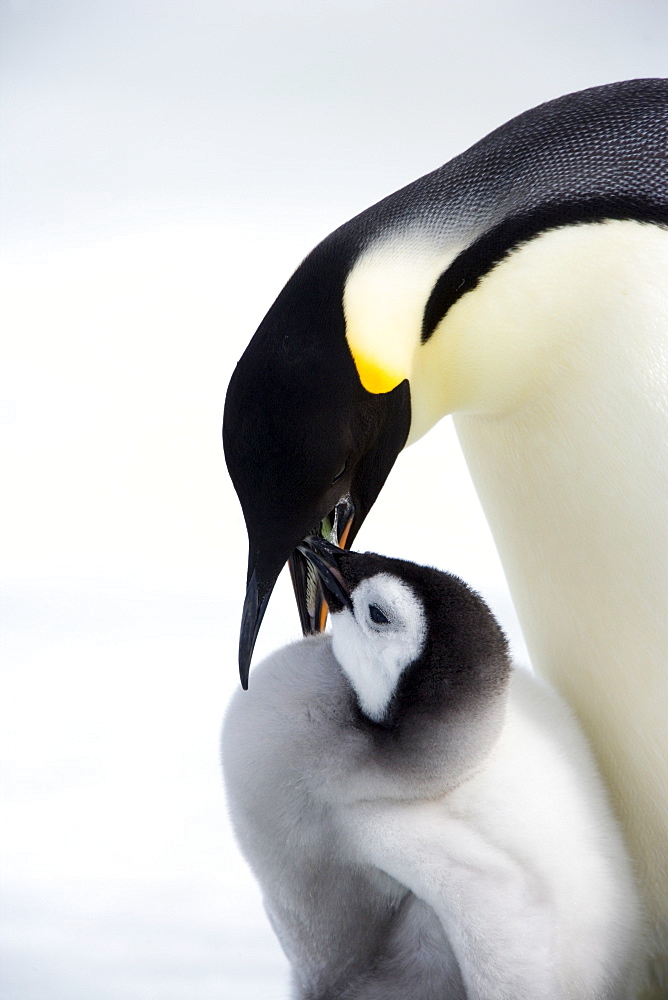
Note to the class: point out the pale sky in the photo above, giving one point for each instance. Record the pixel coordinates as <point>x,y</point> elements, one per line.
<point>165,166</point>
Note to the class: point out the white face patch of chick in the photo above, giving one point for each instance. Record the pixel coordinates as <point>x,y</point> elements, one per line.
<point>375,642</point>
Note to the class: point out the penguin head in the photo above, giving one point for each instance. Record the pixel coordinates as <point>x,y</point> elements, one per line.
<point>319,405</point>
<point>414,642</point>
<point>308,448</point>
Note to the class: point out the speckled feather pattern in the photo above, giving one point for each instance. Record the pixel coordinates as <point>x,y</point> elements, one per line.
<point>608,141</point>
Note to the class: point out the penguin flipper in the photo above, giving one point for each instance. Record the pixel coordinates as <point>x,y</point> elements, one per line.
<point>498,925</point>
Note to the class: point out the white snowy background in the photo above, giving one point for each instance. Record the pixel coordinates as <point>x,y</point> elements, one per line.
<point>166,164</point>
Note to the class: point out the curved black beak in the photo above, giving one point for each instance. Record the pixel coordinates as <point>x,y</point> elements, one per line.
<point>306,580</point>
<point>255,605</point>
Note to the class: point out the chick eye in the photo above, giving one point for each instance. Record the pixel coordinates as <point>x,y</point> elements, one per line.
<point>377,616</point>
<point>340,473</point>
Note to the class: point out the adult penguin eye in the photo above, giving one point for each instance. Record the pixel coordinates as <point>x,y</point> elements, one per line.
<point>377,616</point>
<point>340,473</point>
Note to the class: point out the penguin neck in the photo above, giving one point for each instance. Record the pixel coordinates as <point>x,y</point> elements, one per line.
<point>425,754</point>
<point>569,461</point>
<point>558,391</point>
<point>552,321</point>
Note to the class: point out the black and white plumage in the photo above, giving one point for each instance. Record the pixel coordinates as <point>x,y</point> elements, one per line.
<point>522,288</point>
<point>425,822</point>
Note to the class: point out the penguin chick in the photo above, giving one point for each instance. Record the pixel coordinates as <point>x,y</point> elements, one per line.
<point>425,821</point>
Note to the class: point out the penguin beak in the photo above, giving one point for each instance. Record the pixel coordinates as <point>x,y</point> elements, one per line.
<point>255,605</point>
<point>307,580</point>
<point>321,555</point>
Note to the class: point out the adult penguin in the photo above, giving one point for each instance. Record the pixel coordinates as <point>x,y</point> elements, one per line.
<point>522,288</point>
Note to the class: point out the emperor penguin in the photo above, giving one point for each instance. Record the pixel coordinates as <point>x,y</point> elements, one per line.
<point>424,821</point>
<point>522,288</point>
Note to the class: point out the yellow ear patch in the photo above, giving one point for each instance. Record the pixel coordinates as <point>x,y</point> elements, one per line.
<point>383,303</point>
<point>373,376</point>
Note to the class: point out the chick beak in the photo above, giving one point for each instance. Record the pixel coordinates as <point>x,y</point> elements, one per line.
<point>307,580</point>
<point>321,555</point>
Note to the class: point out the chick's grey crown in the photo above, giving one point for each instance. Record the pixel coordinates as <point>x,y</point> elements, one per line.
<point>464,658</point>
